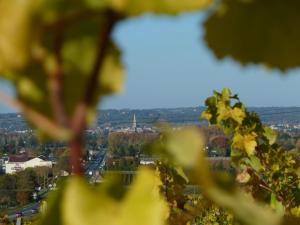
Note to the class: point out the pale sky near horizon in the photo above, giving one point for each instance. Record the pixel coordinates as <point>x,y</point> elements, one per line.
<point>169,65</point>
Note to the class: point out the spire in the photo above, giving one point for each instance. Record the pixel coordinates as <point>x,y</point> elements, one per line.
<point>134,122</point>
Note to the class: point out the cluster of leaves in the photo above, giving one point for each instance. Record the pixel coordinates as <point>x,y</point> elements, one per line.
<point>209,213</point>
<point>184,151</point>
<point>62,60</point>
<point>60,46</point>
<point>268,172</point>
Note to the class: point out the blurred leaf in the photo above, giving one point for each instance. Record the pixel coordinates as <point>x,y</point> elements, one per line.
<point>243,177</point>
<point>137,7</point>
<point>254,162</point>
<point>181,173</point>
<point>276,205</point>
<point>83,205</point>
<point>31,61</point>
<point>290,220</point>
<point>185,146</point>
<point>256,31</point>
<point>15,22</point>
<point>270,134</point>
<point>244,208</point>
<point>51,213</point>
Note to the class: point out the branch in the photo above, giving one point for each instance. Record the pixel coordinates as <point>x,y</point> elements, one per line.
<point>78,122</point>
<point>56,83</point>
<point>36,118</point>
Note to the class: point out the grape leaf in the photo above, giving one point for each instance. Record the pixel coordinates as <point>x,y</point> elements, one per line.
<point>83,205</point>
<point>33,69</point>
<point>184,146</point>
<point>270,135</point>
<point>245,142</point>
<point>15,21</point>
<point>261,32</point>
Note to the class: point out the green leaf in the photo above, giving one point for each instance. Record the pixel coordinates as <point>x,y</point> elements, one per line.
<point>254,162</point>
<point>276,205</point>
<point>30,62</point>
<point>51,210</point>
<point>271,37</point>
<point>185,145</point>
<point>141,205</point>
<point>181,173</point>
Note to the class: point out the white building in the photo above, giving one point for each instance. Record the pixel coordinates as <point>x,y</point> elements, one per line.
<point>15,164</point>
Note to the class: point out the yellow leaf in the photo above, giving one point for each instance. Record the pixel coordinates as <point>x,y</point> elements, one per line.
<point>226,94</point>
<point>270,135</point>
<point>236,114</point>
<point>245,142</point>
<point>142,204</point>
<point>206,115</point>
<point>15,20</point>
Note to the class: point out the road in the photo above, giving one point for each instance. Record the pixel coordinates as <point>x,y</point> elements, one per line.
<point>93,166</point>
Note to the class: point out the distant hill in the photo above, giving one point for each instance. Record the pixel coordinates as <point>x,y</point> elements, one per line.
<point>191,115</point>
<point>181,115</point>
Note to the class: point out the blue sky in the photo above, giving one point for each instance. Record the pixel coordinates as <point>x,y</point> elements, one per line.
<point>168,65</point>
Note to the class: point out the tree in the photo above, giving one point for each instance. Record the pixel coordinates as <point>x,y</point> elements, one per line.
<point>8,185</point>
<point>26,182</point>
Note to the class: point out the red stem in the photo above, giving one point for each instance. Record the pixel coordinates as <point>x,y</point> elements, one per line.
<point>78,122</point>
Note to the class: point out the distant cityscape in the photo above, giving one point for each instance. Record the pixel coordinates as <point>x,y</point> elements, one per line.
<point>114,143</point>
<point>279,118</point>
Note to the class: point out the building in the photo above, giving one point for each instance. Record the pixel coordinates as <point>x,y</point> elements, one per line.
<point>134,123</point>
<point>21,162</point>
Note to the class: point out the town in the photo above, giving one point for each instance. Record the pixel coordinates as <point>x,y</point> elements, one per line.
<point>30,168</point>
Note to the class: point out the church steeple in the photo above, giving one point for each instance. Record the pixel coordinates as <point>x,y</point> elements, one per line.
<point>134,123</point>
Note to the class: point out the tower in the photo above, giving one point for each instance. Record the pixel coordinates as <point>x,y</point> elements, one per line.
<point>134,123</point>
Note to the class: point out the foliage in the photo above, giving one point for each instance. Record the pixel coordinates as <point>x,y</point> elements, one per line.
<point>55,47</point>
<point>268,172</point>
<point>107,204</point>
<point>255,31</point>
<point>128,144</point>
<point>17,189</point>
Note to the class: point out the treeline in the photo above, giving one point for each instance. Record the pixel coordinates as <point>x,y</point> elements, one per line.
<point>124,149</point>
<point>18,189</point>
<point>128,144</point>
<point>12,143</point>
